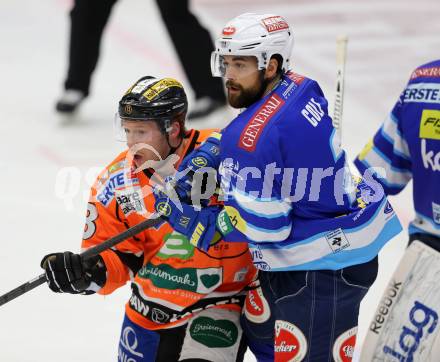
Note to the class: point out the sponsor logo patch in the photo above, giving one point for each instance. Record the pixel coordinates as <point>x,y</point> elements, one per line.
<point>197,234</point>
<point>240,275</point>
<point>164,208</point>
<point>141,86</point>
<point>337,240</point>
<point>235,218</point>
<point>423,321</point>
<point>176,246</point>
<point>159,316</point>
<point>256,307</point>
<point>194,280</point>
<point>116,181</point>
<point>199,161</point>
<point>229,30</point>
<point>431,72</point>
<point>431,160</point>
<point>436,212</point>
<point>388,209</point>
<point>160,87</point>
<point>313,112</point>
<point>343,348</point>
<point>223,222</point>
<point>117,166</point>
<point>257,258</point>
<point>275,23</point>
<point>129,341</point>
<point>131,200</point>
<point>289,89</point>
<point>430,124</point>
<point>296,78</point>
<point>422,93</point>
<point>184,221</point>
<point>138,305</point>
<point>254,128</point>
<point>214,333</point>
<point>290,342</point>
<point>385,305</point>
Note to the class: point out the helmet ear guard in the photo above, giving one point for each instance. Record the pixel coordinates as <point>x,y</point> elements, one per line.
<point>258,35</point>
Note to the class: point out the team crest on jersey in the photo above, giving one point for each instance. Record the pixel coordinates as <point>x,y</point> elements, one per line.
<point>343,348</point>
<point>256,307</point>
<point>128,109</point>
<point>290,342</point>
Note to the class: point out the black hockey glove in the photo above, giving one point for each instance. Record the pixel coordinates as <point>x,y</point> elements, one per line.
<point>68,273</point>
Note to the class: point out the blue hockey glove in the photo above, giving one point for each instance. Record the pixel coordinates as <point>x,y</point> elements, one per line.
<point>200,227</point>
<point>206,157</point>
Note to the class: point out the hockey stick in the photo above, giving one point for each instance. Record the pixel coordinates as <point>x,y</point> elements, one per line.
<point>41,279</point>
<point>341,56</point>
<point>341,52</point>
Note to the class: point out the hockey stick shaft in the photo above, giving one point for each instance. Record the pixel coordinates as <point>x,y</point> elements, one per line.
<point>41,279</point>
<point>341,54</point>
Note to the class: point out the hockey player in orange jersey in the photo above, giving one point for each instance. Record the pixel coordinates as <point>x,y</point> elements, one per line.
<point>185,303</point>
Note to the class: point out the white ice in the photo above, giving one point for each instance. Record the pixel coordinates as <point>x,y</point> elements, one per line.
<point>388,38</point>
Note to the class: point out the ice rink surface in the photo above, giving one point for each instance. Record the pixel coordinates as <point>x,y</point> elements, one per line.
<point>41,213</point>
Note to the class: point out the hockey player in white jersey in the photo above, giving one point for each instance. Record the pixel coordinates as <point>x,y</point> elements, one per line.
<point>407,147</point>
<point>287,193</point>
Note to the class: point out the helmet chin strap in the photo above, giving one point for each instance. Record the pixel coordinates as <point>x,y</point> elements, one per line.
<point>172,149</point>
<point>166,131</point>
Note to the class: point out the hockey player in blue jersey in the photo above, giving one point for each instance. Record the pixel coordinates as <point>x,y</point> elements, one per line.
<point>407,146</point>
<point>313,231</point>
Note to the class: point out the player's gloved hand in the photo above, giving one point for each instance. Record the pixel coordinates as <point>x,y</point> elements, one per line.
<point>199,226</point>
<point>68,273</point>
<point>205,157</point>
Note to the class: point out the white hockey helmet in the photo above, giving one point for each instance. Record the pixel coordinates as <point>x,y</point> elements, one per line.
<point>259,35</point>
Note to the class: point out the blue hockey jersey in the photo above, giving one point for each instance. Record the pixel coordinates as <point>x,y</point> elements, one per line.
<point>407,146</point>
<point>287,188</point>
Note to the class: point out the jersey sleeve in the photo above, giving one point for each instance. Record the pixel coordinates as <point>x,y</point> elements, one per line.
<point>258,213</point>
<point>103,221</point>
<point>388,154</point>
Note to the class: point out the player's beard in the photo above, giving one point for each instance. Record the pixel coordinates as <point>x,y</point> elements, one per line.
<point>246,97</point>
